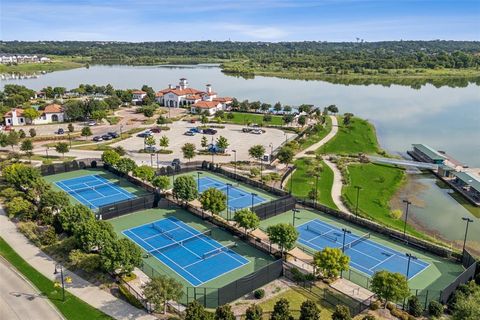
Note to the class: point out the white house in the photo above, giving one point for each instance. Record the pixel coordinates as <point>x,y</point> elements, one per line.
<point>210,106</point>
<point>138,95</point>
<point>51,114</point>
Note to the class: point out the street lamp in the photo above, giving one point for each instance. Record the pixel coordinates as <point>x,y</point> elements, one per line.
<point>345,231</point>
<point>408,203</point>
<point>70,139</point>
<point>358,196</point>
<point>271,151</point>
<point>253,198</point>
<point>294,210</point>
<point>286,137</point>
<point>410,257</point>
<point>46,151</point>
<point>468,220</point>
<point>151,160</point>
<point>157,160</point>
<point>235,161</point>
<point>60,267</point>
<point>228,198</point>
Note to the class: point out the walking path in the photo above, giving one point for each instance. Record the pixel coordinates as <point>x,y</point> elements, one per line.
<point>337,186</point>
<point>320,143</point>
<point>79,287</point>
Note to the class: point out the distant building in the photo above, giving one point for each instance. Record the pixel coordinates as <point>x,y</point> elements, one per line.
<point>51,114</point>
<point>469,183</point>
<point>183,96</point>
<point>138,95</point>
<point>422,152</point>
<point>22,58</point>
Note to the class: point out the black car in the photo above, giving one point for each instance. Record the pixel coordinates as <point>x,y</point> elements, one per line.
<point>175,162</point>
<point>107,137</point>
<point>145,134</point>
<point>113,134</point>
<point>210,131</point>
<point>60,131</point>
<point>97,139</point>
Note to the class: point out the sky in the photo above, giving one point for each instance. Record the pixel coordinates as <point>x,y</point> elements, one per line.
<point>242,20</point>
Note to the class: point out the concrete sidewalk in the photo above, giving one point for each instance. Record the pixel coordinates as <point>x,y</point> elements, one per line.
<point>314,147</point>
<point>337,186</point>
<point>79,287</point>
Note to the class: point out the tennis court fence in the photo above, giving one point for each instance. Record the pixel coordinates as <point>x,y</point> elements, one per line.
<point>275,207</point>
<point>121,208</point>
<point>54,168</point>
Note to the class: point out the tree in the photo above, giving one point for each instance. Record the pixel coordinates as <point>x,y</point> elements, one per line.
<point>164,142</point>
<point>62,147</point>
<point>332,108</point>
<point>254,312</point>
<point>415,308</point>
<point>125,165</point>
<point>188,151</point>
<point>257,151</point>
<point>288,118</point>
<point>313,194</point>
<point>27,147</point>
<point>54,201</point>
<point>267,117</point>
<point>110,157</point>
<point>390,286</point>
<point>204,142</point>
<point>222,143</point>
<point>283,234</point>
<point>31,114</point>
<point>161,289</point>
<point>224,313</point>
<point>309,311</point>
<point>213,200</point>
<point>94,235</point>
<point>277,107</point>
<point>347,117</point>
<point>150,141</point>
<point>71,216</point>
<point>70,127</point>
<point>161,183</point>
<point>285,155</point>
<point>246,219</point>
<point>86,132</point>
<point>19,207</point>
<point>12,139</point>
<point>144,172</point>
<point>281,310</point>
<point>331,261</point>
<point>287,108</point>
<point>341,313</point>
<point>120,256</point>
<point>195,311</point>
<point>302,120</point>
<point>185,188</point>
<point>265,107</point>
<point>22,177</point>
<point>32,132</point>
<point>98,115</point>
<point>22,134</point>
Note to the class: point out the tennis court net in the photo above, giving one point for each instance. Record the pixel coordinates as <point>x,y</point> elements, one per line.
<point>322,234</point>
<point>163,232</point>
<point>95,187</point>
<point>219,250</point>
<point>357,241</point>
<point>181,242</point>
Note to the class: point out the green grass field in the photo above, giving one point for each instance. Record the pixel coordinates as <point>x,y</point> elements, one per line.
<point>72,309</point>
<point>58,63</point>
<point>251,118</point>
<point>303,182</point>
<point>314,138</point>
<point>357,137</point>
<point>153,266</point>
<point>436,277</point>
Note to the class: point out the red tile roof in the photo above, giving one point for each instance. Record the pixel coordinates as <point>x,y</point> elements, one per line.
<point>18,111</point>
<point>206,104</point>
<point>223,99</point>
<point>139,92</point>
<point>53,108</point>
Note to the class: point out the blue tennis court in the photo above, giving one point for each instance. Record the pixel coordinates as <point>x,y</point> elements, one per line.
<point>94,191</point>
<point>237,198</point>
<point>192,254</point>
<point>365,255</point>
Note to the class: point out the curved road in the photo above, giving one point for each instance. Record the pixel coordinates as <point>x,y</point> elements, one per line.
<point>19,300</point>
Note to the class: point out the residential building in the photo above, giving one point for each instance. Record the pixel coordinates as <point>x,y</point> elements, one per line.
<point>22,58</point>
<point>51,114</point>
<point>138,95</point>
<point>209,106</point>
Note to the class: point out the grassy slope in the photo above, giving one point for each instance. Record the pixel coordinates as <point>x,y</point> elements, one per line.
<point>359,136</point>
<point>303,183</point>
<point>72,308</point>
<point>379,183</point>
<point>314,138</point>
<point>245,118</point>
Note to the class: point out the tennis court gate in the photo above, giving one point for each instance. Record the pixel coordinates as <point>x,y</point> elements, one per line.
<point>50,169</point>
<point>121,208</point>
<point>274,207</point>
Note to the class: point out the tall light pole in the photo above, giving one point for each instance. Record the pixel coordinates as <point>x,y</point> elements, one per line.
<point>157,160</point>
<point>358,196</point>
<point>46,151</point>
<point>271,151</point>
<point>60,267</point>
<point>468,220</point>
<point>294,210</point>
<point>198,179</point>
<point>345,231</point>
<point>121,131</point>
<point>410,257</point>
<point>235,161</point>
<point>151,160</point>
<point>291,183</point>
<point>228,198</point>
<point>253,198</point>
<point>408,203</point>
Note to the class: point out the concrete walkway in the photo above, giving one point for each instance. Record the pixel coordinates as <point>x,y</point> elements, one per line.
<point>337,186</point>
<point>79,287</point>
<point>320,143</point>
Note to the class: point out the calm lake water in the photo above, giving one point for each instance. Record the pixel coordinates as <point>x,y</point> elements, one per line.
<point>446,118</point>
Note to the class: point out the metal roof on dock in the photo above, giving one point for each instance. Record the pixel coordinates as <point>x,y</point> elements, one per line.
<point>429,152</point>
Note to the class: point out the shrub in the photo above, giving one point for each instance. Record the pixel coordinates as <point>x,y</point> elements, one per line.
<point>29,230</point>
<point>130,297</point>
<point>414,307</point>
<point>375,305</point>
<point>88,262</point>
<point>391,306</point>
<point>396,214</point>
<point>47,236</point>
<point>369,317</point>
<point>254,172</point>
<point>259,294</point>
<point>341,313</point>
<point>435,308</point>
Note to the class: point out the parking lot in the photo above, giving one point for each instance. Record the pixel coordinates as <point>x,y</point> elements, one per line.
<point>240,141</point>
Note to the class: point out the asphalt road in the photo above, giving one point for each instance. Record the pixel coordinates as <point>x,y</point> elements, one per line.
<point>19,300</point>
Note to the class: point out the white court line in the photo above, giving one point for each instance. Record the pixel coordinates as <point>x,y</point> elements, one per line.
<point>65,187</point>
<point>118,188</point>
<point>381,262</point>
<point>159,234</point>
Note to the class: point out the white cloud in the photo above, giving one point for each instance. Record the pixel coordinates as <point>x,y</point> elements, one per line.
<point>258,32</point>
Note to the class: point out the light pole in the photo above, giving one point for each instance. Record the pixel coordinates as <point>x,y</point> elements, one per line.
<point>345,231</point>
<point>271,151</point>
<point>151,160</point>
<point>316,189</point>
<point>157,160</point>
<point>253,198</point>
<point>228,198</point>
<point>234,162</point>
<point>121,131</point>
<point>408,203</point>
<point>58,266</point>
<point>198,179</point>
<point>468,220</point>
<point>294,210</point>
<point>46,151</point>
<point>286,137</point>
<point>358,196</point>
<point>261,169</point>
<point>70,139</point>
<point>291,183</point>
<point>410,257</point>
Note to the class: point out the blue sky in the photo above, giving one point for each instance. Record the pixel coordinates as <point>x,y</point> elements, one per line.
<point>245,20</point>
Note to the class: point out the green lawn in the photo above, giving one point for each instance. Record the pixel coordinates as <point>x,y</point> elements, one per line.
<point>72,308</point>
<point>315,137</point>
<point>251,118</point>
<point>357,137</point>
<point>379,183</point>
<point>303,182</point>
<point>58,63</point>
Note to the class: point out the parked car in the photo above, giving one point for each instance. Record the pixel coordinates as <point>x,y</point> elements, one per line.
<point>92,123</point>
<point>60,131</point>
<point>144,134</point>
<point>246,130</point>
<point>210,131</point>
<point>156,130</point>
<point>256,131</point>
<point>193,121</point>
<point>175,162</point>
<point>150,149</point>
<point>107,137</point>
<point>113,134</point>
<point>195,130</point>
<point>189,133</point>
<point>97,139</point>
